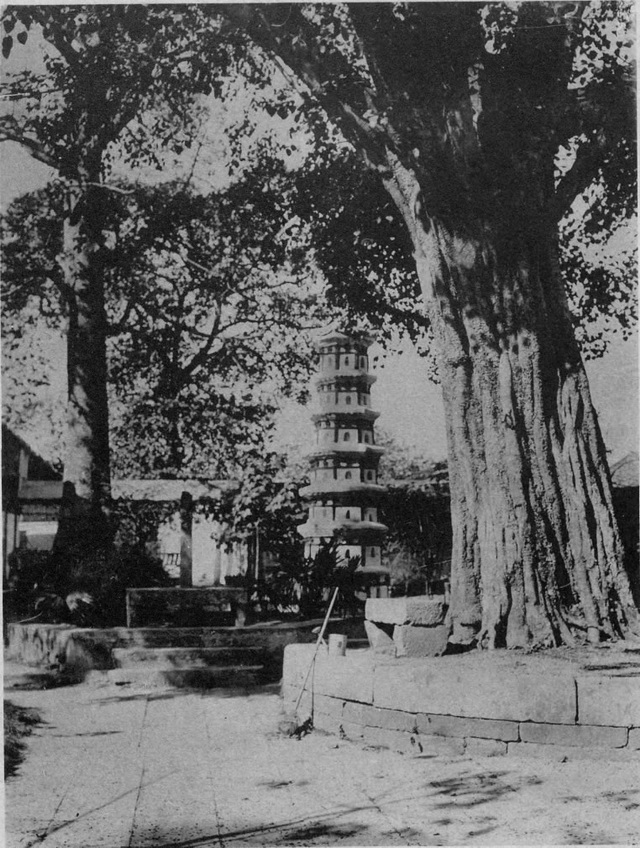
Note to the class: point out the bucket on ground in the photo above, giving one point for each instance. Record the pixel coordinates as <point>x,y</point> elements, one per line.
<point>337,644</point>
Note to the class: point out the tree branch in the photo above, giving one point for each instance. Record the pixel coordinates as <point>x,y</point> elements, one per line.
<point>10,130</point>
<point>584,170</point>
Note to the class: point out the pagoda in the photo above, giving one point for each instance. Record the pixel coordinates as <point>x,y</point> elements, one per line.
<point>344,491</point>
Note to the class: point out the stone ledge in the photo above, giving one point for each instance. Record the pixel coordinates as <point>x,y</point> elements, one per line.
<point>478,702</point>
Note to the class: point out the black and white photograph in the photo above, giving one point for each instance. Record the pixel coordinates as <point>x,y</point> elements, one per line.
<point>320,446</point>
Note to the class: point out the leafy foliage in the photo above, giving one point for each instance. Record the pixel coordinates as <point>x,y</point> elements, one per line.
<point>82,586</point>
<point>207,308</point>
<point>303,586</point>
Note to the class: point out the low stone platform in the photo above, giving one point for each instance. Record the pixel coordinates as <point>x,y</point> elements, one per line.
<point>79,652</point>
<point>180,606</point>
<point>563,703</point>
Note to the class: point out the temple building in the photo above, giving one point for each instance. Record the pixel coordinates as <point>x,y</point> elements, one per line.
<point>344,492</point>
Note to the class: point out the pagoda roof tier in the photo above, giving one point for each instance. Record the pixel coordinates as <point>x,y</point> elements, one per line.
<point>362,340</point>
<point>374,569</point>
<point>340,487</point>
<point>350,529</point>
<point>341,377</point>
<point>363,413</point>
<point>344,450</point>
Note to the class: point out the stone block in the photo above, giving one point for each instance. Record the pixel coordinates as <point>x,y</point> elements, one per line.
<point>374,717</point>
<point>296,661</point>
<point>481,728</point>
<point>349,678</point>
<point>609,700</point>
<point>336,726</point>
<point>475,687</point>
<point>290,696</point>
<point>310,703</point>
<point>350,730</point>
<point>379,639</point>
<point>327,723</point>
<point>485,748</point>
<point>575,735</point>
<point>426,612</point>
<point>436,746</point>
<point>566,753</point>
<point>395,740</point>
<point>634,738</point>
<point>414,641</point>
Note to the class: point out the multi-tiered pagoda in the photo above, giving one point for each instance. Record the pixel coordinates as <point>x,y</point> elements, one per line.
<point>344,490</point>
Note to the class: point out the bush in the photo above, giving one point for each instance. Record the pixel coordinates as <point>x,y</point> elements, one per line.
<point>302,587</point>
<point>80,587</point>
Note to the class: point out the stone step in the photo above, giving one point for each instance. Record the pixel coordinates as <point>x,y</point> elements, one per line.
<point>188,637</point>
<point>172,658</point>
<point>209,677</point>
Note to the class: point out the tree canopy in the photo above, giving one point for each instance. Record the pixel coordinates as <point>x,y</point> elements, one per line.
<point>472,150</point>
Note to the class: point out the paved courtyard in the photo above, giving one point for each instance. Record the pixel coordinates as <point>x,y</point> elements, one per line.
<point>110,767</point>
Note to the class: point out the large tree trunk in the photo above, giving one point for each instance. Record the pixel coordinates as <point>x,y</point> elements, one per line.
<point>537,556</point>
<point>84,517</point>
<point>464,131</point>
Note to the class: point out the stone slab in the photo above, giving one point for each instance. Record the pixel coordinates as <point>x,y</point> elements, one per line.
<point>485,748</point>
<point>395,740</point>
<point>609,700</point>
<point>411,641</point>
<point>443,725</point>
<point>480,689</point>
<point>583,736</point>
<point>344,677</point>
<point>349,677</point>
<point>374,717</point>
<point>426,612</point>
<point>337,726</point>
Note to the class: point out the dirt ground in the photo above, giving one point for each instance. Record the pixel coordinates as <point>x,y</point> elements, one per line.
<point>114,767</point>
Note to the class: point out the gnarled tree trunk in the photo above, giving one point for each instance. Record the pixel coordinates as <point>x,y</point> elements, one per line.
<point>537,557</point>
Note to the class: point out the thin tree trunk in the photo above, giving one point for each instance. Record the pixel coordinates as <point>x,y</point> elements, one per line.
<point>84,517</point>
<point>537,556</point>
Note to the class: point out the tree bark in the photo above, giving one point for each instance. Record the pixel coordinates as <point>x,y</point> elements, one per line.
<point>537,556</point>
<point>464,136</point>
<point>84,519</point>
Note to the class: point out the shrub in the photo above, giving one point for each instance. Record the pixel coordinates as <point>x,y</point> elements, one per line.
<point>302,586</point>
<point>81,587</point>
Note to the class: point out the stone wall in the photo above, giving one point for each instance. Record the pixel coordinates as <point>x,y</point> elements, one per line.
<point>482,703</point>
